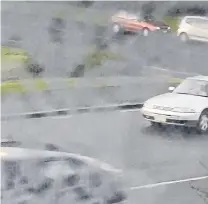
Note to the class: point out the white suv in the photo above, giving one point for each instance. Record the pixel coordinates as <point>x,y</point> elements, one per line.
<point>193,28</point>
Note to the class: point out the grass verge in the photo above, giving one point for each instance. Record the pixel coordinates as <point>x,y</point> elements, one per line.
<point>173,22</point>
<point>97,57</point>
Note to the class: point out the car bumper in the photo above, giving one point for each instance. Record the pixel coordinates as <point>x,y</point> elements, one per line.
<point>159,31</point>
<point>163,31</point>
<point>172,118</point>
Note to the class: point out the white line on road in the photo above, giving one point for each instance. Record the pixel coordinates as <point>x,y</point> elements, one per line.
<point>130,110</point>
<point>168,183</point>
<point>169,70</point>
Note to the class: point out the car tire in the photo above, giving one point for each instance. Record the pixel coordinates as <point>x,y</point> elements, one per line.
<point>117,29</point>
<point>202,126</point>
<point>145,32</point>
<point>184,37</point>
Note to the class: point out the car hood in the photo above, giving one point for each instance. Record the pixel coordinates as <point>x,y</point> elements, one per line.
<point>18,153</point>
<point>178,100</point>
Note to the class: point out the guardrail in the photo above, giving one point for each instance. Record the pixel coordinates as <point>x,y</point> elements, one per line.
<point>65,112</point>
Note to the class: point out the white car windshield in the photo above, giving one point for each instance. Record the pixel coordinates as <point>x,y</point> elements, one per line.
<point>193,87</point>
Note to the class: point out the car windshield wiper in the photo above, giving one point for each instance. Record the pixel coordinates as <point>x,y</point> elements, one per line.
<point>191,94</point>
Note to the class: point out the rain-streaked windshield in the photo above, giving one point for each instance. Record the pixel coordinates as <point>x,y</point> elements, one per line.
<point>193,87</point>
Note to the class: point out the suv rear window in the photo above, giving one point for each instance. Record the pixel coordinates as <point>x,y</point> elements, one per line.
<point>196,20</point>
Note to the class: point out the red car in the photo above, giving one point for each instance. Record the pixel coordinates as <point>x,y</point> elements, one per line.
<point>127,22</point>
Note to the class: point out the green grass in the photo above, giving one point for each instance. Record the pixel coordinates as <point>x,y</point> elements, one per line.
<point>40,84</point>
<point>97,57</point>
<point>16,86</point>
<point>12,86</point>
<point>13,54</point>
<point>71,82</point>
<point>174,81</point>
<point>172,22</point>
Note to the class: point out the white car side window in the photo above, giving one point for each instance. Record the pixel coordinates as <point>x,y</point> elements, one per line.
<point>195,21</point>
<point>190,21</point>
<point>193,87</point>
<point>205,89</point>
<point>204,23</point>
<point>199,89</point>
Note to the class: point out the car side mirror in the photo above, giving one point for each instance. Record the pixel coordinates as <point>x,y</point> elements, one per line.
<point>171,88</point>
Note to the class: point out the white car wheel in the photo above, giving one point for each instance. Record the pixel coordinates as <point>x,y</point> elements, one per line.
<point>145,32</point>
<point>203,123</point>
<point>184,37</point>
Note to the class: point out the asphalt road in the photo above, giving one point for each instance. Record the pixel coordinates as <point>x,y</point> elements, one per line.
<point>164,51</point>
<point>125,140</point>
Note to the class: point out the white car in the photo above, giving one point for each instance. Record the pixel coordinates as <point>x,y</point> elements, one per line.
<point>193,28</point>
<point>40,176</point>
<point>186,105</point>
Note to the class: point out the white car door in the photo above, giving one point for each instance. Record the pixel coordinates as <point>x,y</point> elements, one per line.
<point>204,28</point>
<point>190,27</point>
<point>199,29</point>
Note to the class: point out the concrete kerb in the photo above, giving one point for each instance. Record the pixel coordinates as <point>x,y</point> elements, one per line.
<point>65,112</point>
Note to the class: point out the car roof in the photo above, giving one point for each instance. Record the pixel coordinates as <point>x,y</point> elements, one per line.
<point>199,77</point>
<point>127,14</point>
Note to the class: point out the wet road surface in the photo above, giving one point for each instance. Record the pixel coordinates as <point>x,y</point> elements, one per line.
<point>125,140</point>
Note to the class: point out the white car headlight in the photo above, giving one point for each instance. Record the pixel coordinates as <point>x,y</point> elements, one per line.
<point>183,110</point>
<point>158,28</point>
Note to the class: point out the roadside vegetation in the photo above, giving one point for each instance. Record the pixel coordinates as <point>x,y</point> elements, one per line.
<point>172,21</point>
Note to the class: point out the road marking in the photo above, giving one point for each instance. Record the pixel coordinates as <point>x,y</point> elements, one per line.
<point>169,70</point>
<point>168,183</point>
<point>130,110</point>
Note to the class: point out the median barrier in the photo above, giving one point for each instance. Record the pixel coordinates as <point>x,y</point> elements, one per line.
<point>65,112</point>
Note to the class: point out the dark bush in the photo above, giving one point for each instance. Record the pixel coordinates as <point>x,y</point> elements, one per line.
<point>86,4</point>
<point>148,8</point>
<point>56,29</point>
<point>78,71</point>
<point>35,68</point>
